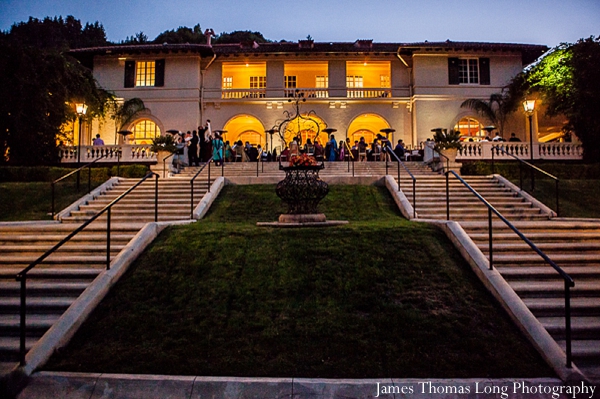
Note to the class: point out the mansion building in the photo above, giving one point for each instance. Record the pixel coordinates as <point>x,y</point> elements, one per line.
<point>357,88</point>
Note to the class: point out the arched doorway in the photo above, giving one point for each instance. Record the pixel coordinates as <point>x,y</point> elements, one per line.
<point>368,126</point>
<point>308,127</point>
<point>144,131</point>
<point>470,128</point>
<point>245,128</point>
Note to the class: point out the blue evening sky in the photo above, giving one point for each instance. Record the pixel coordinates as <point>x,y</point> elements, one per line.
<point>548,22</point>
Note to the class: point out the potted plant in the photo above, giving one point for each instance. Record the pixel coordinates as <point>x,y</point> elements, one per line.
<point>162,146</point>
<point>447,143</point>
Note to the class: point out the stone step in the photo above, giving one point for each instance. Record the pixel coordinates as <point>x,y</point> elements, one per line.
<point>533,258</point>
<point>125,218</point>
<point>55,259</point>
<point>10,347</point>
<point>581,327</point>
<point>505,211</point>
<point>537,238</point>
<point>520,272</point>
<point>583,349</point>
<point>36,324</point>
<point>456,216</point>
<point>589,306</point>
<point>37,289</point>
<point>555,288</point>
<point>47,272</point>
<point>37,249</point>
<point>546,247</point>
<point>39,305</point>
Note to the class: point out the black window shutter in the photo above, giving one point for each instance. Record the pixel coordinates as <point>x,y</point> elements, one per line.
<point>484,71</point>
<point>159,77</point>
<point>453,71</point>
<point>129,73</point>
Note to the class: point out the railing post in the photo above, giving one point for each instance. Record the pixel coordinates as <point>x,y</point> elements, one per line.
<point>192,200</point>
<point>493,163</point>
<point>386,165</point>
<point>257,162</point>
<point>491,240</point>
<point>557,208</point>
<point>52,185</point>
<point>399,175</point>
<point>223,168</point>
<point>108,238</point>
<point>568,322</point>
<point>23,325</point>
<point>414,198</point>
<point>164,166</point>
<point>447,197</point>
<point>156,199</point>
<point>118,162</point>
<point>208,176</point>
<point>352,169</point>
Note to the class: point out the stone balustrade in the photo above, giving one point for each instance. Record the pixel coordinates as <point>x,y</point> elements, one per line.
<point>130,153</point>
<point>548,151</point>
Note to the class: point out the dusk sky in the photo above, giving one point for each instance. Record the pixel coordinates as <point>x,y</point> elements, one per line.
<point>548,22</point>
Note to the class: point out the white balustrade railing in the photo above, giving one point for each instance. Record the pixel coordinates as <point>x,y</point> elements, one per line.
<point>308,92</point>
<point>243,93</point>
<point>368,92</point>
<point>130,153</point>
<point>549,151</point>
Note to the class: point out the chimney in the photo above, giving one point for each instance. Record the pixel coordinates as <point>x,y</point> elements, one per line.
<point>364,43</point>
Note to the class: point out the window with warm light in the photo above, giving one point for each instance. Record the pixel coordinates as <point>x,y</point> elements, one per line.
<point>227,82</point>
<point>144,131</point>
<point>321,82</point>
<point>145,73</point>
<point>470,127</point>
<point>290,82</point>
<point>385,81</point>
<point>258,82</point>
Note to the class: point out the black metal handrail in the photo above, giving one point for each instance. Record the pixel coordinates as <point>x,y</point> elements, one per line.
<point>192,184</point>
<point>569,283</point>
<point>88,165</point>
<point>165,160</point>
<point>414,180</point>
<point>447,160</point>
<point>350,156</point>
<point>533,169</point>
<point>22,275</point>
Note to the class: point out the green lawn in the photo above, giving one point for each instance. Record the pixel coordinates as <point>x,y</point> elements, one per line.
<point>33,200</point>
<point>577,198</point>
<point>380,297</point>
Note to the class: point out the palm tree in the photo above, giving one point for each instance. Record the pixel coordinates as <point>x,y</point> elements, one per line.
<point>125,113</point>
<point>496,109</point>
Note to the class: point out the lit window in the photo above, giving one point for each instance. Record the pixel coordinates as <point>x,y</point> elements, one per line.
<point>145,73</point>
<point>290,82</point>
<point>385,81</point>
<point>468,71</point>
<point>258,82</point>
<point>144,131</point>
<point>228,82</point>
<point>470,127</point>
<point>354,81</point>
<point>322,82</point>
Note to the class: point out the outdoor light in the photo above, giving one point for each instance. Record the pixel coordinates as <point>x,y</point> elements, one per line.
<point>81,108</point>
<point>529,106</point>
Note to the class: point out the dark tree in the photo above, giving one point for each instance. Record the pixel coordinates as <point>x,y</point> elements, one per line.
<point>38,85</point>
<point>183,34</point>
<point>240,36</point>
<point>568,81</point>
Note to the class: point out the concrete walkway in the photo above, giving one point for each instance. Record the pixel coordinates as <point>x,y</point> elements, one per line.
<point>96,386</point>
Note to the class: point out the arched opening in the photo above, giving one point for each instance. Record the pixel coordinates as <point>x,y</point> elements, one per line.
<point>144,131</point>
<point>470,128</point>
<point>368,126</point>
<point>245,128</point>
<point>308,127</point>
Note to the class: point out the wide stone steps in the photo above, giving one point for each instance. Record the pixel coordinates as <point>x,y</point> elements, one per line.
<point>583,350</point>
<point>587,306</point>
<point>501,246</point>
<point>581,327</point>
<point>552,289</point>
<point>520,271</point>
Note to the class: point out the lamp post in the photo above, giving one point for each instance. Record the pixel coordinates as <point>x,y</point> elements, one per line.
<point>529,106</point>
<point>81,109</point>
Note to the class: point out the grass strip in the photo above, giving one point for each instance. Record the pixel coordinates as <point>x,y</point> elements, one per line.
<point>379,297</point>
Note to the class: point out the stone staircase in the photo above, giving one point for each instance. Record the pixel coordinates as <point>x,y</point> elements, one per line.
<point>53,285</point>
<point>56,283</point>
<point>573,245</point>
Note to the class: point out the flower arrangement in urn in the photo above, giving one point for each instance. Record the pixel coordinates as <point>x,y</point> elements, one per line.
<point>163,143</point>
<point>303,160</point>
